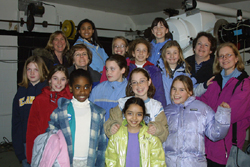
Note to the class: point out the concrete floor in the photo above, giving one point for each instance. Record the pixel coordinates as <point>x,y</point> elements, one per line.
<point>9,159</point>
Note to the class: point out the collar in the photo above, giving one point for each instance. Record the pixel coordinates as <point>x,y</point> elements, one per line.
<point>77,103</point>
<point>148,63</point>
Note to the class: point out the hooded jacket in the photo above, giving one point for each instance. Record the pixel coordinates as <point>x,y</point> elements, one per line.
<point>155,74</point>
<point>107,94</point>
<point>156,51</point>
<point>188,124</point>
<point>151,151</point>
<point>238,97</point>
<point>20,113</point>
<point>40,111</point>
<point>167,80</point>
<point>59,119</point>
<point>99,56</point>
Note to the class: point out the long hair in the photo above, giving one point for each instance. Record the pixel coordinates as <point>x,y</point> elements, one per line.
<point>179,62</point>
<point>134,100</point>
<point>151,89</point>
<point>95,40</point>
<point>42,69</point>
<point>50,46</point>
<point>239,65</point>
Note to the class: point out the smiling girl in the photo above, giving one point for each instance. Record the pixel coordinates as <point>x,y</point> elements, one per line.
<point>173,64</point>
<point>45,103</point>
<point>140,50</point>
<point>189,121</point>
<point>132,145</point>
<point>140,85</point>
<point>81,122</point>
<point>87,35</point>
<point>160,33</point>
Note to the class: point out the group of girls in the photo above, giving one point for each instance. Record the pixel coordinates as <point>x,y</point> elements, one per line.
<point>133,93</point>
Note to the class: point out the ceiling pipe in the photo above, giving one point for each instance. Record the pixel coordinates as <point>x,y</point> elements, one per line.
<point>216,9</point>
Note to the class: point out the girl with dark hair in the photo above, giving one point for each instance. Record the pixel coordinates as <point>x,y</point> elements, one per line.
<point>87,35</point>
<point>132,145</point>
<point>140,50</point>
<point>107,93</point>
<point>160,35</point>
<point>45,103</point>
<point>84,131</point>
<point>140,85</point>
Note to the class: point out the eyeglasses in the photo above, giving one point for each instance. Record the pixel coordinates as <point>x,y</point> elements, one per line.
<point>225,56</point>
<point>141,82</point>
<point>117,46</point>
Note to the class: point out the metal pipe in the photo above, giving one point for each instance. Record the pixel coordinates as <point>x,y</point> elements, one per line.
<point>49,24</point>
<point>216,9</point>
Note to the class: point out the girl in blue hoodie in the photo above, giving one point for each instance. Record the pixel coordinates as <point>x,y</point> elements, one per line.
<point>34,76</point>
<point>107,93</point>
<point>160,35</point>
<point>87,35</point>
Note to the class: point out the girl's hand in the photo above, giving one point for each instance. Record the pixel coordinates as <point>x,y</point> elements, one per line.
<point>151,129</point>
<point>210,80</point>
<point>114,128</point>
<point>225,105</point>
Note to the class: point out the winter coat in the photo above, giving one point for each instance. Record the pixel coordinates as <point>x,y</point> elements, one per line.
<point>239,100</point>
<point>156,51</point>
<point>106,94</point>
<point>49,57</point>
<point>151,151</point>
<point>155,74</point>
<point>188,125</point>
<point>50,149</point>
<point>20,113</point>
<point>97,139</point>
<point>40,111</point>
<point>95,75</point>
<point>153,109</point>
<point>205,72</point>
<point>99,55</point>
<point>167,80</point>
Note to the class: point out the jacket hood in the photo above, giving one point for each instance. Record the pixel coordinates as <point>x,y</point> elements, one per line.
<point>54,96</point>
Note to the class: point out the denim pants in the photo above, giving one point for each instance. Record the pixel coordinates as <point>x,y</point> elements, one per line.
<point>24,162</point>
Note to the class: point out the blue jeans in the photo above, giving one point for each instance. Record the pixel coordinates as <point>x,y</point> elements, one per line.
<point>24,162</point>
